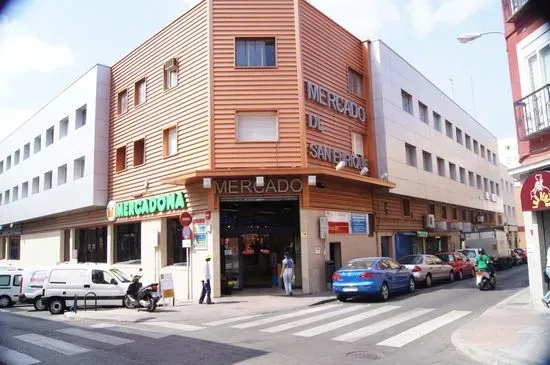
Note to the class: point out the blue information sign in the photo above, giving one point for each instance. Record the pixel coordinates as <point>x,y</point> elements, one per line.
<point>358,224</point>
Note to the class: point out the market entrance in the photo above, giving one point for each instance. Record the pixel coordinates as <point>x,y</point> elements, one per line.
<point>254,236</point>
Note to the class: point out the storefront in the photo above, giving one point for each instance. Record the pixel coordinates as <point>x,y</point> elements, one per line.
<point>10,242</point>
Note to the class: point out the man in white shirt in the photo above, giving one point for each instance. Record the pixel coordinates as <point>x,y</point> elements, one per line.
<point>206,281</point>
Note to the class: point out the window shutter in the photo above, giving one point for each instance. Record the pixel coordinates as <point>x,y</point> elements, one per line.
<point>357,144</point>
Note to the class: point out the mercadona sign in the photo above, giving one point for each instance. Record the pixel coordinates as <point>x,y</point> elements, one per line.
<point>138,207</point>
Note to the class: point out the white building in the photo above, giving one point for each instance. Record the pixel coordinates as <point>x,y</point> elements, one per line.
<point>55,164</point>
<point>508,152</point>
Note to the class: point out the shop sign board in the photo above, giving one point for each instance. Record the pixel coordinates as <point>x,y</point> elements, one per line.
<point>359,224</point>
<point>421,234</point>
<point>441,226</point>
<point>456,226</point>
<point>323,153</point>
<point>139,207</point>
<point>167,285</point>
<point>11,229</point>
<point>347,223</point>
<point>344,106</point>
<point>199,233</point>
<point>323,227</point>
<point>248,186</point>
<point>467,227</point>
<point>535,192</point>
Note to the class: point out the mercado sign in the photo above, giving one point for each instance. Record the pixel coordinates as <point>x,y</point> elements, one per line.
<point>247,186</point>
<point>328,154</point>
<point>535,194</point>
<point>334,101</point>
<point>138,207</point>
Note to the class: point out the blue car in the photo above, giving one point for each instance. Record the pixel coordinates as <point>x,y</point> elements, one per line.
<point>378,276</point>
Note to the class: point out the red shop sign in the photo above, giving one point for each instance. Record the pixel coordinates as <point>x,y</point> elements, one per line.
<point>535,192</point>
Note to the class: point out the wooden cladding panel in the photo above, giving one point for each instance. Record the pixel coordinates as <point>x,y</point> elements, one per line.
<point>185,106</point>
<point>338,195</point>
<point>328,51</point>
<point>74,220</point>
<point>243,89</point>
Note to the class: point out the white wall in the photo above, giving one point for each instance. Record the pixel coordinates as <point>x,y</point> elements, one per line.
<point>508,152</point>
<point>91,141</point>
<point>508,194</point>
<point>395,127</point>
<point>41,249</point>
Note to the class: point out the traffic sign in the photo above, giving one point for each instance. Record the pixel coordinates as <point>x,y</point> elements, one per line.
<point>186,219</point>
<point>186,233</point>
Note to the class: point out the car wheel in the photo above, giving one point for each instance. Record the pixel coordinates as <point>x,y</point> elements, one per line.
<point>428,280</point>
<point>451,276</point>
<point>39,304</point>
<point>341,297</point>
<point>5,301</point>
<point>412,285</point>
<point>460,275</point>
<point>57,306</point>
<point>384,292</point>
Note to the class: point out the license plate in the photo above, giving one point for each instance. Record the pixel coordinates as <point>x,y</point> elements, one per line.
<point>349,289</point>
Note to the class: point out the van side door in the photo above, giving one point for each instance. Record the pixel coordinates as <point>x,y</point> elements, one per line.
<point>106,287</point>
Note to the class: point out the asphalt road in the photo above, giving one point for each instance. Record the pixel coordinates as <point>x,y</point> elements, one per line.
<point>408,329</point>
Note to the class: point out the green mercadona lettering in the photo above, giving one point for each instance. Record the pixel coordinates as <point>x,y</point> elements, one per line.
<point>161,203</point>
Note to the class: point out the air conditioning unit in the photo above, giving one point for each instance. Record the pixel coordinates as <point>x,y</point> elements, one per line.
<point>171,64</point>
<point>493,197</point>
<point>487,195</point>
<point>429,221</point>
<point>480,219</point>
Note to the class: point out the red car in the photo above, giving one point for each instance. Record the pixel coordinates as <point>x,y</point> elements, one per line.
<point>522,254</point>
<point>459,262</point>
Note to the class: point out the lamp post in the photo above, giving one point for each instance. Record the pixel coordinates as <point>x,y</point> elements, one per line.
<point>468,37</point>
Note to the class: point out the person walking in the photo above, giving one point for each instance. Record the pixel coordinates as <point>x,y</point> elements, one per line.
<point>206,282</point>
<point>287,273</point>
<point>546,298</point>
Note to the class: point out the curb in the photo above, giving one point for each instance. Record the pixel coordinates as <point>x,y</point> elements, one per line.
<point>324,301</point>
<point>480,355</point>
<point>502,303</point>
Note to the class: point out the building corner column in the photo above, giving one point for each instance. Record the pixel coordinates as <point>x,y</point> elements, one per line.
<point>110,243</point>
<point>72,244</point>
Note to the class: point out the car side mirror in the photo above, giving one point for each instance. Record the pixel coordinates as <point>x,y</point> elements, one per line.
<point>114,282</point>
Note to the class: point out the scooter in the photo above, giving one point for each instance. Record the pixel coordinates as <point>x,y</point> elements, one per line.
<point>485,280</point>
<point>141,297</point>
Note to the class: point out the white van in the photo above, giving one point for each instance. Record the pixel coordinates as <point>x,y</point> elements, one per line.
<point>10,283</point>
<point>32,284</point>
<point>87,282</point>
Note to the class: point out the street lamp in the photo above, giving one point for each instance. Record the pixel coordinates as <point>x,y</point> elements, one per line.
<point>468,37</point>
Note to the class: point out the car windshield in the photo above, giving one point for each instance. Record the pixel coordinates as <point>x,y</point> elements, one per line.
<point>471,254</point>
<point>445,257</point>
<point>120,275</point>
<point>410,260</point>
<point>360,264</point>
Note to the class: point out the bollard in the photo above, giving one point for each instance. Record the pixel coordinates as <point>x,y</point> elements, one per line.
<point>75,305</point>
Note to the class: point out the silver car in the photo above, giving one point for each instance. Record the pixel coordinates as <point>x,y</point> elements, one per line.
<point>427,268</point>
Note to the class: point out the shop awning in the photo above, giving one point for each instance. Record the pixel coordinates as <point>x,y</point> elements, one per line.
<point>197,175</point>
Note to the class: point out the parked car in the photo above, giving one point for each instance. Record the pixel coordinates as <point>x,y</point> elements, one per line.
<point>31,286</point>
<point>427,268</point>
<point>460,263</point>
<point>471,254</point>
<point>522,254</point>
<point>10,281</point>
<point>381,276</point>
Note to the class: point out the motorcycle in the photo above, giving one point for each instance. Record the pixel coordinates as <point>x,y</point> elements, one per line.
<point>484,280</point>
<point>141,297</point>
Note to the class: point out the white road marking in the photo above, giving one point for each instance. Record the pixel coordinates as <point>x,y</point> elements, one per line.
<point>423,329</point>
<point>345,321</point>
<point>52,344</point>
<point>231,320</point>
<point>382,325</point>
<point>301,322</point>
<point>102,325</point>
<point>95,336</point>
<point>12,357</point>
<point>284,316</point>
<point>137,331</point>
<point>176,326</point>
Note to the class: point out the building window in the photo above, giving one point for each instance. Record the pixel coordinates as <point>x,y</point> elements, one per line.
<point>62,175</point>
<point>80,117</point>
<point>6,197</point>
<point>423,112</point>
<point>357,144</point>
<point>452,170</point>
<point>16,158</point>
<point>177,255</point>
<point>122,102</point>
<point>1,202</point>
<point>427,161</point>
<point>444,212</point>
<point>15,191</point>
<point>485,184</point>
<point>449,129</point>
<point>25,190</point>
<point>63,127</point>
<point>128,242</point>
<point>257,127</point>
<point>471,178</point>
<point>494,159</point>
<point>489,155</point>
<point>8,163</point>
<point>431,209</point>
<point>121,159</point>
<point>479,184</point>
<point>171,74</point>
<point>539,68</point>
<point>139,152</point>
<point>497,186</point>
<point>464,217</point>
<point>48,180</point>
<point>140,95</point>
<point>13,248</point>
<point>26,151</point>
<point>35,185</point>
<point>441,167</point>
<point>468,142</point>
<point>476,147</point>
<point>91,244</point>
<point>170,141</point>
<point>437,122</point>
<point>1,167</point>
<point>482,149</point>
<point>49,136</point>
<point>410,152</point>
<point>37,144</point>
<point>407,102</point>
<point>462,174</point>
<point>255,52</point>
<point>492,184</point>
<point>459,136</point>
<point>406,205</point>
<point>455,213</point>
<point>79,167</point>
<point>355,83</point>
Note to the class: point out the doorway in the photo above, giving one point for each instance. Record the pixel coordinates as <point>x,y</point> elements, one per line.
<point>386,246</point>
<point>336,254</point>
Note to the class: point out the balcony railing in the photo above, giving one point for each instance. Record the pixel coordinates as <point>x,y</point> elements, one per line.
<point>513,7</point>
<point>533,111</point>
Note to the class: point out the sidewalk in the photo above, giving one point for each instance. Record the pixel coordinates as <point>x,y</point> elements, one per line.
<point>511,333</point>
<point>239,304</point>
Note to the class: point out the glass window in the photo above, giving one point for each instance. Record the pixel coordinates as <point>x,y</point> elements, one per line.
<point>17,280</point>
<point>257,127</point>
<point>393,264</point>
<point>406,207</point>
<point>14,248</point>
<point>437,121</point>
<point>79,167</point>
<point>170,78</point>
<point>123,102</point>
<point>427,161</point>
<point>360,264</point>
<point>255,52</point>
<point>357,144</point>
<point>177,255</point>
<point>410,260</point>
<point>102,277</point>
<point>140,94</point>
<point>423,112</point>
<point>407,101</point>
<point>170,141</point>
<point>355,83</point>
<point>49,136</point>
<point>128,242</point>
<point>91,244</point>
<point>80,117</point>
<point>410,154</point>
<point>63,127</point>
<point>5,280</point>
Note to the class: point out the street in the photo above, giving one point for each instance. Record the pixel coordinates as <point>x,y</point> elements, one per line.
<point>412,329</point>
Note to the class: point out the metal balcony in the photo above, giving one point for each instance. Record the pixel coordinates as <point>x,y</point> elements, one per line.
<point>533,112</point>
<point>513,8</point>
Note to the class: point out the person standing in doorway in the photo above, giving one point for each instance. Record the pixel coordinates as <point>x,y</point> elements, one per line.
<point>206,282</point>
<point>287,273</point>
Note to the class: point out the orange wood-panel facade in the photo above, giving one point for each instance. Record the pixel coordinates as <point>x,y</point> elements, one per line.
<point>93,218</point>
<point>338,194</point>
<point>185,106</point>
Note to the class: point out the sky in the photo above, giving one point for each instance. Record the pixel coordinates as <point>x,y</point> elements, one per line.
<point>46,45</point>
